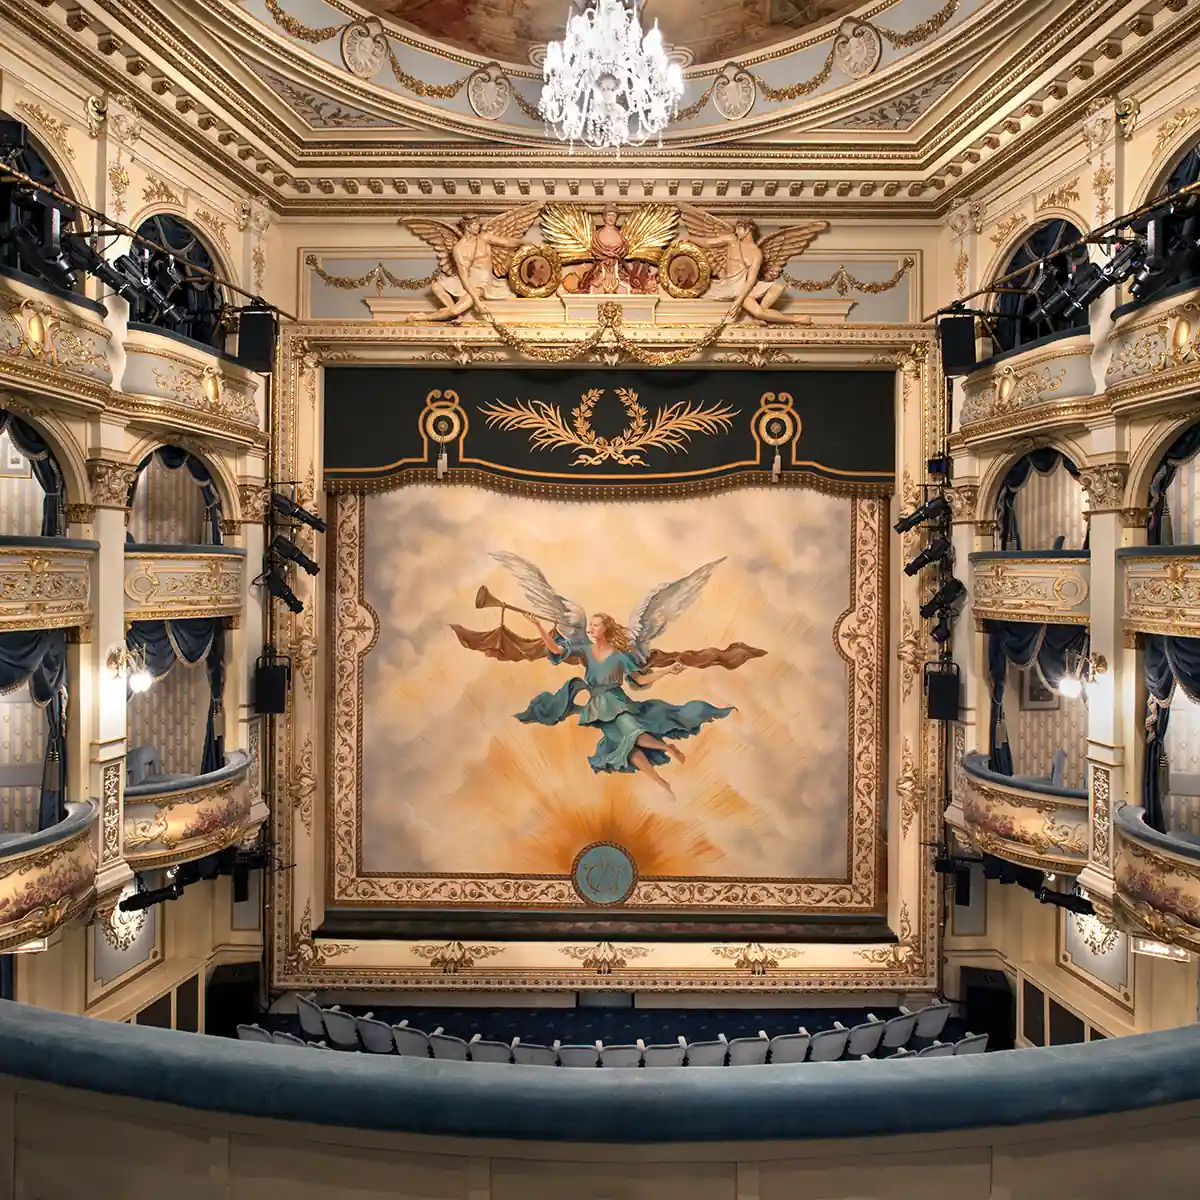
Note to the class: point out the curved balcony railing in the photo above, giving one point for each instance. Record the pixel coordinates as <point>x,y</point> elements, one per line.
<point>45,583</point>
<point>1046,586</point>
<point>1025,820</point>
<point>1154,351</point>
<point>174,819</point>
<point>1157,877</point>
<point>46,878</point>
<point>170,582</point>
<point>1162,589</point>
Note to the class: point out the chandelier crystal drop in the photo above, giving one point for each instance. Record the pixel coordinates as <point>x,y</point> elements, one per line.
<point>607,84</point>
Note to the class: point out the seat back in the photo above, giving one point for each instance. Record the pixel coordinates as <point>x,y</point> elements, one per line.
<point>622,1056</point>
<point>376,1035</point>
<point>496,1052</point>
<point>309,1012</point>
<point>253,1033</point>
<point>708,1054</point>
<point>446,1045</point>
<point>931,1020</point>
<point>973,1043</point>
<point>790,1047</point>
<point>749,1052</point>
<point>282,1038</point>
<point>669,1055</point>
<point>579,1056</point>
<point>902,1053</point>
<point>898,1030</point>
<point>829,1044</point>
<point>342,1028</point>
<point>1058,768</point>
<point>141,762</point>
<point>413,1042</point>
<point>937,1050</point>
<point>533,1055</point>
<point>864,1039</point>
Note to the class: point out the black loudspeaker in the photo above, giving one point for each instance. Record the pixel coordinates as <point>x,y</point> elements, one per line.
<point>270,687</point>
<point>257,328</point>
<point>941,695</point>
<point>241,882</point>
<point>957,335</point>
<point>962,887</point>
<point>231,998</point>
<point>989,1006</point>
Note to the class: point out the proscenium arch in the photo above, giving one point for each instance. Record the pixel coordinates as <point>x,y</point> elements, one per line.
<point>223,479</point>
<point>993,478</point>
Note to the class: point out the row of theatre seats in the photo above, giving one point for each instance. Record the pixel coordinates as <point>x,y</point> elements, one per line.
<point>874,1038</point>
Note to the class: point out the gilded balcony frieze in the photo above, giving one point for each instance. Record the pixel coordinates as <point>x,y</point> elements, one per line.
<point>45,583</point>
<point>1038,585</point>
<point>1162,589</point>
<point>165,582</point>
<point>172,819</point>
<point>1026,821</point>
<point>46,878</point>
<point>1154,353</point>
<point>1157,879</point>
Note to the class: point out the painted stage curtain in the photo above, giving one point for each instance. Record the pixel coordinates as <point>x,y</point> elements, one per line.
<point>38,657</point>
<point>1166,662</point>
<point>175,458</point>
<point>45,469</point>
<point>1181,450</point>
<point>1024,643</point>
<point>1044,462</point>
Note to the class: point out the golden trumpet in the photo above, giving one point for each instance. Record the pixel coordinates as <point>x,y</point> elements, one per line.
<point>485,599</point>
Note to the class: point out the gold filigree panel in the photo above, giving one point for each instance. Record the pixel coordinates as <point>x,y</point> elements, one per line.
<point>1031,589</point>
<point>1162,592</point>
<point>44,586</point>
<point>160,585</point>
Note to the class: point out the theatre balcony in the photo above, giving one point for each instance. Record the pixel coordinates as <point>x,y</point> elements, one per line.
<point>1162,589</point>
<point>45,582</point>
<point>1046,586</point>
<point>1154,352</point>
<point>1029,820</point>
<point>46,878</point>
<point>166,582</point>
<point>1157,878</point>
<point>170,819</point>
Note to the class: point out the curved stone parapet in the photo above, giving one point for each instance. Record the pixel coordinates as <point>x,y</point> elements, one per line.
<point>1026,821</point>
<point>170,582</point>
<point>178,819</point>
<point>1051,586</point>
<point>1154,352</point>
<point>1162,589</point>
<point>1157,877</point>
<point>46,878</point>
<point>45,583</point>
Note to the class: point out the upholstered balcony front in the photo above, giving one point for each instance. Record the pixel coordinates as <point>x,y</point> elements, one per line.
<point>45,583</point>
<point>1162,589</point>
<point>46,878</point>
<point>1049,587</point>
<point>171,583</point>
<point>1025,820</point>
<point>174,819</point>
<point>1157,877</point>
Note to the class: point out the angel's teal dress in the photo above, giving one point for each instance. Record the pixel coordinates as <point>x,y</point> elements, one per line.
<point>620,720</point>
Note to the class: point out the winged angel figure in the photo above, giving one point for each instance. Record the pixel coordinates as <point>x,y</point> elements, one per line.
<point>620,257</point>
<point>635,735</point>
<point>745,270</point>
<point>474,258</point>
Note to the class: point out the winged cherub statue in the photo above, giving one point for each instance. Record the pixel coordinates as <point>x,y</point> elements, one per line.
<point>474,258</point>
<point>747,271</point>
<point>621,256</point>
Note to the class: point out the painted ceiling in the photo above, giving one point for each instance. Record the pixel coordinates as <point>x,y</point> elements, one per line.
<point>710,29</point>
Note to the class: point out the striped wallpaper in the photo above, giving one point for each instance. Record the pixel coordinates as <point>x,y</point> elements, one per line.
<point>20,497</point>
<point>22,743</point>
<point>1181,812</point>
<point>168,508</point>
<point>1183,506</point>
<point>171,717</point>
<point>1049,505</point>
<point>1034,735</point>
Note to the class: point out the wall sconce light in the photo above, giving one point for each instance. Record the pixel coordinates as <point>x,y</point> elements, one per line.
<point>1085,672</point>
<point>130,665</point>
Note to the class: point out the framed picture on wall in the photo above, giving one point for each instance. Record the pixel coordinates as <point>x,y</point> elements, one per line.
<point>13,464</point>
<point>1036,693</point>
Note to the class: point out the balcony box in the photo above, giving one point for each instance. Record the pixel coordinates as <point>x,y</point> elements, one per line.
<point>45,583</point>
<point>1024,820</point>
<point>1157,877</point>
<point>1154,352</point>
<point>174,819</point>
<point>1162,589</point>
<point>46,878</point>
<point>1045,586</point>
<point>164,583</point>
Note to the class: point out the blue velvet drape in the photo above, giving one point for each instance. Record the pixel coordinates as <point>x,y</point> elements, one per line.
<point>1043,462</point>
<point>214,732</point>
<point>1183,448</point>
<point>45,470</point>
<point>1166,662</point>
<point>175,458</point>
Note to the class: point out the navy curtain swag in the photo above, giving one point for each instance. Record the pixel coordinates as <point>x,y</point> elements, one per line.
<point>214,733</point>
<point>1024,644</point>
<point>175,458</point>
<point>1181,450</point>
<point>1044,462</point>
<point>1166,662</point>
<point>45,469</point>
<point>39,657</point>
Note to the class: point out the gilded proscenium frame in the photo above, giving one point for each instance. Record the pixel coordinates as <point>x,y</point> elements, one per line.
<point>300,959</point>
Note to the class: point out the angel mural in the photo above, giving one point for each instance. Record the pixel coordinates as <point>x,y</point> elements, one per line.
<point>620,258</point>
<point>747,271</point>
<point>635,735</point>
<point>474,258</point>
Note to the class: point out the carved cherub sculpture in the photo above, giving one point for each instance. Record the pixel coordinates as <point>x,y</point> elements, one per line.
<point>747,271</point>
<point>621,256</point>
<point>474,258</point>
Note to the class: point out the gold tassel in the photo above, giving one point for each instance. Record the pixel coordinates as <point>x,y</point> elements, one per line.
<point>443,464</point>
<point>53,773</point>
<point>219,721</point>
<point>777,467</point>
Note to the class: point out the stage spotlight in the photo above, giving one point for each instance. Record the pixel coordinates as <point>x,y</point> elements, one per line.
<point>1068,900</point>
<point>294,512</point>
<point>1091,281</point>
<point>83,256</point>
<point>288,549</point>
<point>943,630</point>
<point>937,551</point>
<point>143,275</point>
<point>934,509</point>
<point>946,596</point>
<point>149,899</point>
<point>35,225</point>
<point>277,585</point>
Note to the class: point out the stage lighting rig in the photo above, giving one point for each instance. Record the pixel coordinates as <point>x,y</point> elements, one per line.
<point>288,549</point>
<point>936,508</point>
<point>276,583</point>
<point>290,509</point>
<point>939,550</point>
<point>944,598</point>
<point>153,281</point>
<point>34,222</point>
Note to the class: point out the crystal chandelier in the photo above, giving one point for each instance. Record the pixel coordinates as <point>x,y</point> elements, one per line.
<point>605,83</point>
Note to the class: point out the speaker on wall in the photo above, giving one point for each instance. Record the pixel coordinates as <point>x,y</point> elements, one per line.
<point>941,695</point>
<point>989,1006</point>
<point>257,329</point>
<point>270,688</point>
<point>957,336</point>
<point>231,998</point>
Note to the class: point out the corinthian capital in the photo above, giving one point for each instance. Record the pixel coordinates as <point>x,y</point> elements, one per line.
<point>110,482</point>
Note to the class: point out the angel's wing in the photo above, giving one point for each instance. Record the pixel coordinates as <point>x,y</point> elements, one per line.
<point>568,228</point>
<point>649,230</point>
<point>705,225</point>
<point>787,243</point>
<point>542,598</point>
<point>510,224</point>
<point>665,603</point>
<point>439,235</point>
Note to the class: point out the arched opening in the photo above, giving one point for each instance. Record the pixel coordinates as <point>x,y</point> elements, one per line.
<point>174,501</point>
<point>1017,321</point>
<point>32,487</point>
<point>1040,504</point>
<point>1173,260</point>
<point>198,303</point>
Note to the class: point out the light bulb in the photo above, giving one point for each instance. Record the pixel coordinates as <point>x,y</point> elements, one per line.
<point>1070,687</point>
<point>140,680</point>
